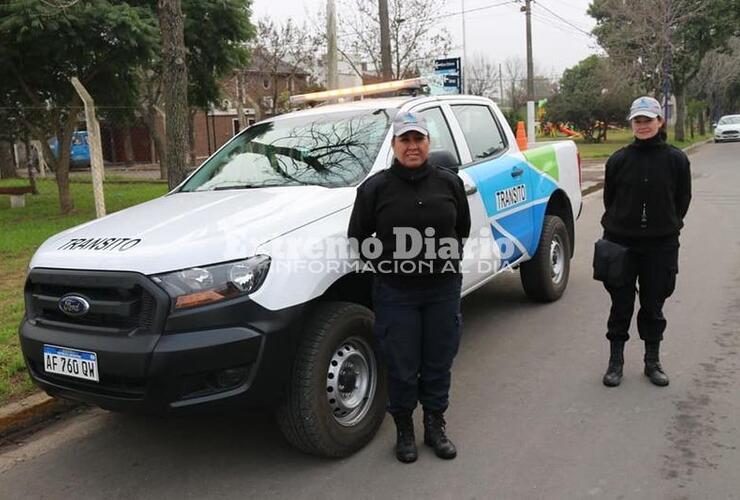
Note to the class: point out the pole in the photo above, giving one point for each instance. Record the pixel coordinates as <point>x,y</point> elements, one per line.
<point>530,73</point>
<point>96,147</point>
<point>463,75</point>
<point>332,79</point>
<point>667,70</point>
<point>385,41</point>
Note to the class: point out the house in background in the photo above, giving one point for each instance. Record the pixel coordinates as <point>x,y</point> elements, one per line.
<point>257,85</point>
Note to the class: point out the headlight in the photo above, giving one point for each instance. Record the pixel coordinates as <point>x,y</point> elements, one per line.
<point>199,286</point>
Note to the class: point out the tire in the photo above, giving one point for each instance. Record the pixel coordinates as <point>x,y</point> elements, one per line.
<point>338,336</point>
<point>545,276</point>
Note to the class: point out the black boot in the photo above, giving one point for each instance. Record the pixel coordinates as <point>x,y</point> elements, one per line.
<point>613,375</point>
<point>653,369</point>
<point>405,439</point>
<point>435,435</point>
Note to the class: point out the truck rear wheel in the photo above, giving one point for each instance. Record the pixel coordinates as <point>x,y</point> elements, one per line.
<point>545,276</point>
<point>336,396</point>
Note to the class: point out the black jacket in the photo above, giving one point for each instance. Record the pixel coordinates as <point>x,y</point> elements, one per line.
<point>420,198</point>
<point>647,190</point>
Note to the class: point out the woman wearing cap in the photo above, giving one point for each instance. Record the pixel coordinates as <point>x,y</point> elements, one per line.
<point>416,292</point>
<point>647,190</point>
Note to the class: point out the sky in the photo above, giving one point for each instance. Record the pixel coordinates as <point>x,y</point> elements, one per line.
<point>494,28</point>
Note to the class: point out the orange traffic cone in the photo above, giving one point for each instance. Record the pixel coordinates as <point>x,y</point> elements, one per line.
<point>521,136</point>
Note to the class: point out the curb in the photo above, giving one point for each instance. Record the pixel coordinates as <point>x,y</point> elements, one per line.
<point>33,410</point>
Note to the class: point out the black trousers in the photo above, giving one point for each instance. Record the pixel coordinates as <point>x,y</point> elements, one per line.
<point>650,271</point>
<point>419,333</point>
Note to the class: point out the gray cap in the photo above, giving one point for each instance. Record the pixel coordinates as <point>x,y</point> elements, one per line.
<point>645,106</point>
<point>407,122</point>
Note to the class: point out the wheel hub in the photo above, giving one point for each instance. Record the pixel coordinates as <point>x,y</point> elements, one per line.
<point>351,381</point>
<point>557,260</point>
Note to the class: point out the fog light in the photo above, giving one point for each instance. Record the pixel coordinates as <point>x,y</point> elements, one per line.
<point>230,377</point>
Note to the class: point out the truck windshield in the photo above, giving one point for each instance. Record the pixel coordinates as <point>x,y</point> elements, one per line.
<point>331,150</point>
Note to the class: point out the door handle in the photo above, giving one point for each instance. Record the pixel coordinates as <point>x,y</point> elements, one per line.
<point>470,189</point>
<point>517,172</point>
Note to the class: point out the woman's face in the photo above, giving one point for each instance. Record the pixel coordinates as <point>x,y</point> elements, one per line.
<point>411,149</point>
<point>645,128</point>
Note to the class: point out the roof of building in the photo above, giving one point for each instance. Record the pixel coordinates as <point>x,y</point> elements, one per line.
<point>260,64</point>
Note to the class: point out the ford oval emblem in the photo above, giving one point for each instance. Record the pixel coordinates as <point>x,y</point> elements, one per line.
<point>74,305</point>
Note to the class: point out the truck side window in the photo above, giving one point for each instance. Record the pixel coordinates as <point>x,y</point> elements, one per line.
<point>480,129</point>
<point>440,137</point>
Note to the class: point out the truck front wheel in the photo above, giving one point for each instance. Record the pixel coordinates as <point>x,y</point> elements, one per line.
<point>545,276</point>
<point>336,396</point>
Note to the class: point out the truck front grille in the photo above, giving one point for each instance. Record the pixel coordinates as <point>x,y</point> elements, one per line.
<point>119,302</point>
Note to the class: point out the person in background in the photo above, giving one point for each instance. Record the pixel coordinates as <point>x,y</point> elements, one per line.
<point>647,191</point>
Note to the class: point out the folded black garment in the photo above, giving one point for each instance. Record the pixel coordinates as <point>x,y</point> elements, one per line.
<point>610,260</point>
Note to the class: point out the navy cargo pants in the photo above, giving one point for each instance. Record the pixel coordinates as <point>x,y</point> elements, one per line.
<point>419,332</point>
<point>650,272</point>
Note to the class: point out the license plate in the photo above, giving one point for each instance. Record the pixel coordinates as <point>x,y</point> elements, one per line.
<point>71,362</point>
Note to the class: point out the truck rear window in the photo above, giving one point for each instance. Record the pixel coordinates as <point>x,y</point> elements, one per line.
<point>331,150</point>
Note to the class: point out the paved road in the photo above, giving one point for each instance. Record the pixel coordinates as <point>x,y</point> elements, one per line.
<point>529,413</point>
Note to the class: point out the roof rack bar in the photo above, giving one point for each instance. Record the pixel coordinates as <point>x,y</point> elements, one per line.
<point>362,90</point>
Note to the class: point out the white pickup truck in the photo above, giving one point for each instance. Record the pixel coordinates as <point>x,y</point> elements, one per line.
<point>234,289</point>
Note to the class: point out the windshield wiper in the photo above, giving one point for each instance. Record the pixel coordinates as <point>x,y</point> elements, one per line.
<point>235,186</point>
<point>253,186</point>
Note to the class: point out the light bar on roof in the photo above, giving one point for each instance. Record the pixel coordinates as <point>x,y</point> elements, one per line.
<point>362,90</point>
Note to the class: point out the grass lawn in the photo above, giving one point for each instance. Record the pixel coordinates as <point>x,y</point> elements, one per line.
<point>22,230</point>
<point>615,139</point>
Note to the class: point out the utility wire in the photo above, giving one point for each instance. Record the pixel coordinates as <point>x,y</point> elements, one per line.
<point>553,23</point>
<point>477,9</point>
<point>562,19</point>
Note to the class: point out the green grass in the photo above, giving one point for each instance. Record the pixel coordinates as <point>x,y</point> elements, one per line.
<point>22,230</point>
<point>616,139</point>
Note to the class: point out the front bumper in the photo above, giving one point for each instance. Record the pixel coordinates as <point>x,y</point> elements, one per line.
<point>234,353</point>
<point>727,137</point>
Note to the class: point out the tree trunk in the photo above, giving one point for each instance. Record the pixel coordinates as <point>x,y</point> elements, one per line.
<point>702,126</point>
<point>128,146</point>
<point>240,103</point>
<point>66,204</point>
<point>29,165</point>
<point>191,133</point>
<point>158,140</point>
<point>175,85</point>
<point>680,93</point>
<point>7,161</point>
<point>275,95</point>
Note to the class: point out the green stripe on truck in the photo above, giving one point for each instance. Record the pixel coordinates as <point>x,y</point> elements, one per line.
<point>544,159</point>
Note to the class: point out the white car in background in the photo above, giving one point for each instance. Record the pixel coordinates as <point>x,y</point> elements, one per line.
<point>727,129</point>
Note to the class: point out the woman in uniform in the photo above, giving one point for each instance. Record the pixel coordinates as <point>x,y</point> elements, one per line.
<point>647,191</point>
<point>416,290</point>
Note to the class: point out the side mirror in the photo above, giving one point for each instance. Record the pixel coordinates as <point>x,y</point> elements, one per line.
<point>714,125</point>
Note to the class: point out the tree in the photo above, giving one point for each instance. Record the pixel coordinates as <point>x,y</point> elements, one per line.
<point>216,34</point>
<point>516,71</point>
<point>42,46</point>
<point>284,50</point>
<point>718,81</point>
<point>175,89</point>
<point>654,38</point>
<point>483,77</point>
<point>416,38</point>
<point>591,96</point>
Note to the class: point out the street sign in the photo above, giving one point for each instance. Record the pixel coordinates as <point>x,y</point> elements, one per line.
<point>447,76</point>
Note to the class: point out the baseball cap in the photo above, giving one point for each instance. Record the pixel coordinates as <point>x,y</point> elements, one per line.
<point>645,106</point>
<point>406,122</point>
